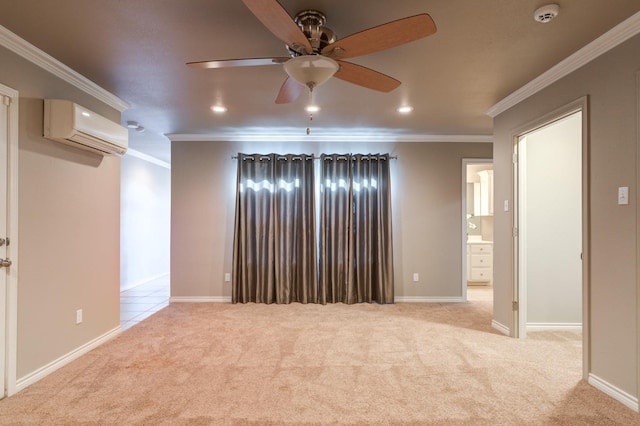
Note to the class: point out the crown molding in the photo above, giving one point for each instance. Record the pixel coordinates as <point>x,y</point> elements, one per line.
<point>341,137</point>
<point>47,62</point>
<point>612,38</point>
<point>148,158</point>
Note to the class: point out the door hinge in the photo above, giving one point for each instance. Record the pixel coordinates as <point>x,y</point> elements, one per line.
<point>515,232</point>
<point>6,100</point>
<point>515,306</point>
<point>515,157</point>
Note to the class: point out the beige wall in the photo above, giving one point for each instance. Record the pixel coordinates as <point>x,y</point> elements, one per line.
<point>427,213</point>
<point>69,220</point>
<point>610,83</point>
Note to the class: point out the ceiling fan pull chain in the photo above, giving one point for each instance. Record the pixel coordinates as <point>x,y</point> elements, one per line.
<point>310,120</point>
<point>311,104</point>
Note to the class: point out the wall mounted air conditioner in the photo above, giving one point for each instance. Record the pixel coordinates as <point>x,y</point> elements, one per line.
<point>69,123</point>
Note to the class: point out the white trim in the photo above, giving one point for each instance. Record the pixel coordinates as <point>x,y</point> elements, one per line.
<point>11,338</point>
<point>200,299</point>
<point>422,299</point>
<point>541,326</point>
<point>337,135</point>
<point>44,371</point>
<point>501,328</point>
<point>614,392</point>
<point>47,62</point>
<point>144,281</point>
<point>148,158</point>
<point>612,38</point>
<point>520,200</point>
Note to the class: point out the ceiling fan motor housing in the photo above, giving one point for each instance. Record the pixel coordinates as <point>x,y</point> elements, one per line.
<point>311,22</point>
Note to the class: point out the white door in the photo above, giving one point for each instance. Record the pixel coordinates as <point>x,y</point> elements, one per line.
<point>4,136</point>
<point>8,229</point>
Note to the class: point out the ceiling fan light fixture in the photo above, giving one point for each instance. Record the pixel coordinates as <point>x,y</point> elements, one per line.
<point>312,108</point>
<point>405,109</point>
<point>311,70</point>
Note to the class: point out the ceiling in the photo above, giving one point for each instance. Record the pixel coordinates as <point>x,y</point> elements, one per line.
<point>137,50</point>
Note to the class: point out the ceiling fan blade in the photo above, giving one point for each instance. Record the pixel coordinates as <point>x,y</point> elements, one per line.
<point>382,37</point>
<point>366,77</point>
<point>277,20</point>
<point>289,92</point>
<point>249,62</point>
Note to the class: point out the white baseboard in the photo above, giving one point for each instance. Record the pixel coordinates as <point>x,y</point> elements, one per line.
<point>500,327</point>
<point>540,326</point>
<point>129,286</point>
<point>615,393</point>
<point>44,371</point>
<point>421,299</point>
<point>200,299</point>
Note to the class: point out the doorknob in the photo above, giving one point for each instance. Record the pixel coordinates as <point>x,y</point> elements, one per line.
<point>5,263</point>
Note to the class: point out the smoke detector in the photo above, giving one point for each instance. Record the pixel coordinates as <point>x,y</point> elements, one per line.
<point>546,13</point>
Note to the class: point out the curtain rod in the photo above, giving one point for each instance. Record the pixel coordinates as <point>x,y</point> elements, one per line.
<point>391,157</point>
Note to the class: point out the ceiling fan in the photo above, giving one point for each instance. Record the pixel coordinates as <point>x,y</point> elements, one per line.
<point>316,54</point>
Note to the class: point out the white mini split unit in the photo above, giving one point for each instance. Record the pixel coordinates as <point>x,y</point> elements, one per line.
<point>69,123</point>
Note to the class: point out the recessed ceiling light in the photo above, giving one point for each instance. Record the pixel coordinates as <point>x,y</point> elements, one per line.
<point>312,108</point>
<point>219,109</point>
<point>405,109</point>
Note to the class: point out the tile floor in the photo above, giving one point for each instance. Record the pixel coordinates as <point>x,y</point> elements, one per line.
<point>142,301</point>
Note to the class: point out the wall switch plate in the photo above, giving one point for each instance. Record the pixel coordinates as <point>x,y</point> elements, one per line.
<point>79,316</point>
<point>227,277</point>
<point>623,195</point>
<point>416,277</point>
<point>505,206</point>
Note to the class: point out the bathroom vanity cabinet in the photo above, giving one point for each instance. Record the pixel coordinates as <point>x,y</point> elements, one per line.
<point>479,262</point>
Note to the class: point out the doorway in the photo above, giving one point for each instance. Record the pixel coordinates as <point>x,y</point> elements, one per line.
<point>477,229</point>
<point>550,225</point>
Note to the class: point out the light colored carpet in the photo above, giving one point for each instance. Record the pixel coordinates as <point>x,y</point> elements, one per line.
<point>439,364</point>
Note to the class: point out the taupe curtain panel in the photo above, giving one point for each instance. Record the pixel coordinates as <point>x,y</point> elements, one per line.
<point>274,245</point>
<point>276,259</point>
<point>356,242</point>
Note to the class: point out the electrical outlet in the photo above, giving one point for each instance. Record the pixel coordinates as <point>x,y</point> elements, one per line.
<point>227,277</point>
<point>79,316</point>
<point>416,277</point>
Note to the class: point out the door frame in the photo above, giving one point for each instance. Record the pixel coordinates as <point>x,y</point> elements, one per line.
<point>11,301</point>
<point>579,105</point>
<point>466,162</point>
<point>638,221</point>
